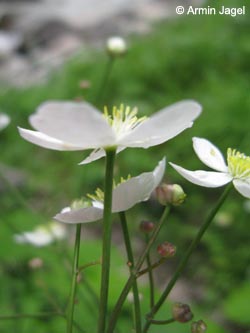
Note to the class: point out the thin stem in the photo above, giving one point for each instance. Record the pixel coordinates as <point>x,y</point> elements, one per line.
<point>106,244</point>
<point>136,299</point>
<point>133,276</point>
<point>105,79</point>
<point>152,267</point>
<point>162,322</point>
<point>89,264</point>
<point>186,257</point>
<point>150,276</point>
<point>71,305</point>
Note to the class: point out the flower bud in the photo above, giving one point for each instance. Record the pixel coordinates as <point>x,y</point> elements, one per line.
<point>170,194</point>
<point>198,327</point>
<point>166,250</point>
<point>182,312</point>
<point>146,226</point>
<point>116,46</point>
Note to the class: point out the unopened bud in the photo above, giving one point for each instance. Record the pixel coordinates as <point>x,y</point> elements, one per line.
<point>166,250</point>
<point>146,226</point>
<point>170,194</point>
<point>198,327</point>
<point>182,312</point>
<point>116,46</point>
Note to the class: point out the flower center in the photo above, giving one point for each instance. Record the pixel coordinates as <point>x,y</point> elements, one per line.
<point>123,119</point>
<point>97,196</point>
<point>238,164</point>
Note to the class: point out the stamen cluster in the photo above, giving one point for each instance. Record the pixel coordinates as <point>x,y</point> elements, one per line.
<point>123,119</point>
<point>238,164</point>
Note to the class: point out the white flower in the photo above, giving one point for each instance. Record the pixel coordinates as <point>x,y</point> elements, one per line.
<point>4,120</point>
<point>42,235</point>
<point>125,196</point>
<point>79,126</point>
<point>237,169</point>
<point>116,46</point>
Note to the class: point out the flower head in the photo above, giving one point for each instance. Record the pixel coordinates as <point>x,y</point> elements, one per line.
<point>125,196</point>
<point>4,120</point>
<point>237,170</point>
<point>79,126</point>
<point>42,235</point>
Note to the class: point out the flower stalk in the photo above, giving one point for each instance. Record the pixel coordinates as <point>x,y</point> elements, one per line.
<point>137,309</point>
<point>186,257</point>
<point>106,245</point>
<point>71,305</point>
<point>150,276</point>
<point>116,311</point>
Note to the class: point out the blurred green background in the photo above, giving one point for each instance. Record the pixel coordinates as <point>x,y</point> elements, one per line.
<point>206,58</point>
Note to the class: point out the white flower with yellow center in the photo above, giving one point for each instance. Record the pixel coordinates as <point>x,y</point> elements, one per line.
<point>42,235</point>
<point>125,195</point>
<point>237,169</point>
<point>79,126</point>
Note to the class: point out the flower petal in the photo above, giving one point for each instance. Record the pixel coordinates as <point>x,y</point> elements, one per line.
<point>80,124</point>
<point>4,120</point>
<point>204,178</point>
<point>137,189</point>
<point>97,154</point>
<point>163,126</point>
<point>82,215</point>
<point>209,154</point>
<point>36,238</point>
<point>45,141</point>
<point>242,187</point>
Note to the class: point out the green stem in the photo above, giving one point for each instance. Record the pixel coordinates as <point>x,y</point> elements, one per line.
<point>133,276</point>
<point>137,308</point>
<point>71,305</point>
<point>105,79</point>
<point>106,243</point>
<point>163,322</point>
<point>186,257</point>
<point>150,277</point>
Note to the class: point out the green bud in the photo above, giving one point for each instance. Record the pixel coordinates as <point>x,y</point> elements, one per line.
<point>170,194</point>
<point>116,46</point>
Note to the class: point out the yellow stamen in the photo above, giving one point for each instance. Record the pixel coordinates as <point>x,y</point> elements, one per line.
<point>123,119</point>
<point>238,164</point>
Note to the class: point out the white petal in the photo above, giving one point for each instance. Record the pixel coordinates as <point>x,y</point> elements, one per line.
<point>137,189</point>
<point>97,154</point>
<point>204,178</point>
<point>163,125</point>
<point>77,123</point>
<point>45,141</point>
<point>242,187</point>
<point>82,215</point>
<point>209,154</point>
<point>4,120</point>
<point>36,238</point>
